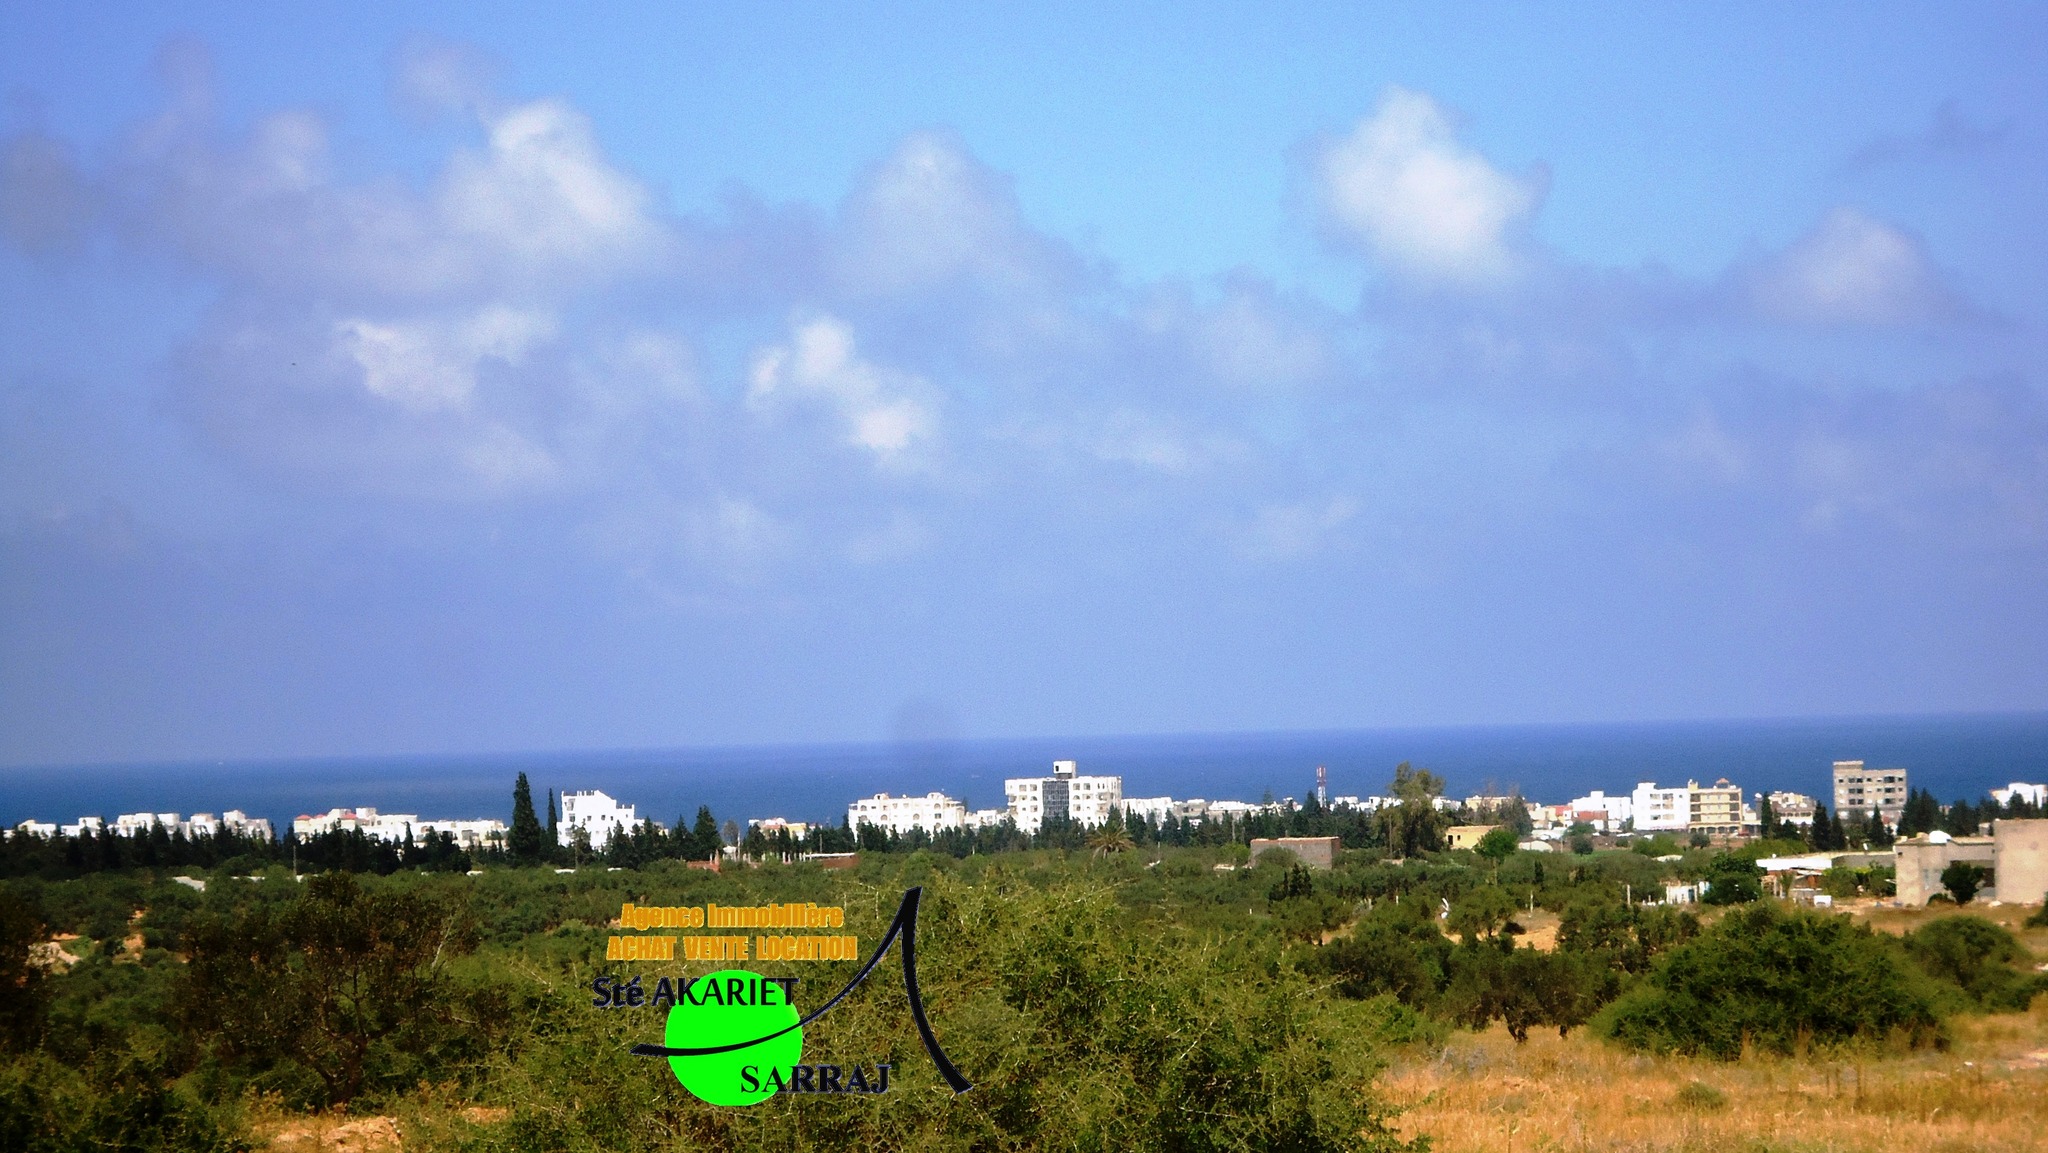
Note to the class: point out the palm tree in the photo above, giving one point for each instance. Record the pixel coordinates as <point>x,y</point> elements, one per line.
<point>1111,838</point>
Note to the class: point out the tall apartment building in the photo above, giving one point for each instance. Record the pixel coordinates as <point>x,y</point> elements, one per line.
<point>1660,810</point>
<point>1715,809</point>
<point>1065,795</point>
<point>1859,790</point>
<point>934,812</point>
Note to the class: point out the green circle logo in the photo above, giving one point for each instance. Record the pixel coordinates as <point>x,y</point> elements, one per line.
<point>730,1007</point>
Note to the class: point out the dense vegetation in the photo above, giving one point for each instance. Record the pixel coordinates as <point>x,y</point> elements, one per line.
<point>1139,987</point>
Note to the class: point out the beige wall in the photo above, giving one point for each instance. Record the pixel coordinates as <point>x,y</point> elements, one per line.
<point>2022,852</point>
<point>1315,852</point>
<point>1920,864</point>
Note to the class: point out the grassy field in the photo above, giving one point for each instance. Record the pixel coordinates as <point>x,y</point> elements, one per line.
<point>1989,1092</point>
<point>1483,1092</point>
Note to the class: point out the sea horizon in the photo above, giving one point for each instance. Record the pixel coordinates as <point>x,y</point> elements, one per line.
<point>1956,755</point>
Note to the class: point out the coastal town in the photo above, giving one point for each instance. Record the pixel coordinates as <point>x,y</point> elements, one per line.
<point>2009,845</point>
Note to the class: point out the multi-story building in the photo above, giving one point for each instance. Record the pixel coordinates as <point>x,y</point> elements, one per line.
<point>934,812</point>
<point>1657,810</point>
<point>597,814</point>
<point>1065,795</point>
<point>1859,790</point>
<point>1715,809</point>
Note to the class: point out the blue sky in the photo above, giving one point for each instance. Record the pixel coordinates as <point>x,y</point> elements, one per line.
<point>385,381</point>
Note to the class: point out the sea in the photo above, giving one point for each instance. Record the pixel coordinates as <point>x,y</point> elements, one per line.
<point>1955,756</point>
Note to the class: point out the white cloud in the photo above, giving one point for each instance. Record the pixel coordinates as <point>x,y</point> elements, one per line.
<point>930,213</point>
<point>879,408</point>
<point>1419,200</point>
<point>1852,269</point>
<point>431,366</point>
<point>543,194</point>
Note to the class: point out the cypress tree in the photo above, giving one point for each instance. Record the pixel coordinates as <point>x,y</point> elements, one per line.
<point>526,843</point>
<point>1767,819</point>
<point>1819,836</point>
<point>1840,836</point>
<point>704,838</point>
<point>554,822</point>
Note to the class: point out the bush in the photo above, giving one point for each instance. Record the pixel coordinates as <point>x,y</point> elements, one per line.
<point>1962,880</point>
<point>1396,950</point>
<point>2040,918</point>
<point>1700,1097</point>
<point>1777,981</point>
<point>1733,880</point>
<point>1978,958</point>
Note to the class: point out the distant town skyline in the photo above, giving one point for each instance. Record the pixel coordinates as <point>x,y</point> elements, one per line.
<point>383,382</point>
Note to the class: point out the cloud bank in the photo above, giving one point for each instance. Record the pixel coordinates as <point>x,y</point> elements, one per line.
<point>917,402</point>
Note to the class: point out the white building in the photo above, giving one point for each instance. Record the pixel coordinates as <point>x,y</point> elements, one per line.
<point>2032,794</point>
<point>769,826</point>
<point>393,827</point>
<point>37,828</point>
<point>140,824</point>
<point>468,834</point>
<point>1066,794</point>
<point>1154,809</point>
<point>1658,810</point>
<point>1605,813</point>
<point>597,814</point>
<point>1788,808</point>
<point>934,812</point>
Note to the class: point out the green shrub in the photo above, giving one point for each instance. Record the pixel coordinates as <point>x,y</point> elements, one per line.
<point>1777,981</point>
<point>1980,959</point>
<point>2039,920</point>
<point>1962,880</point>
<point>1700,1097</point>
<point>1733,880</point>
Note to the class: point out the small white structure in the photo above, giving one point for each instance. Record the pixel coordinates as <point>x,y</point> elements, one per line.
<point>934,812</point>
<point>769,826</point>
<point>1605,813</point>
<point>395,827</point>
<point>597,814</point>
<point>1788,808</point>
<point>140,825</point>
<point>1154,809</point>
<point>487,831</point>
<point>2032,794</point>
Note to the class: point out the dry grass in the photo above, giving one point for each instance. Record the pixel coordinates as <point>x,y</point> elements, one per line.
<point>1484,1092</point>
